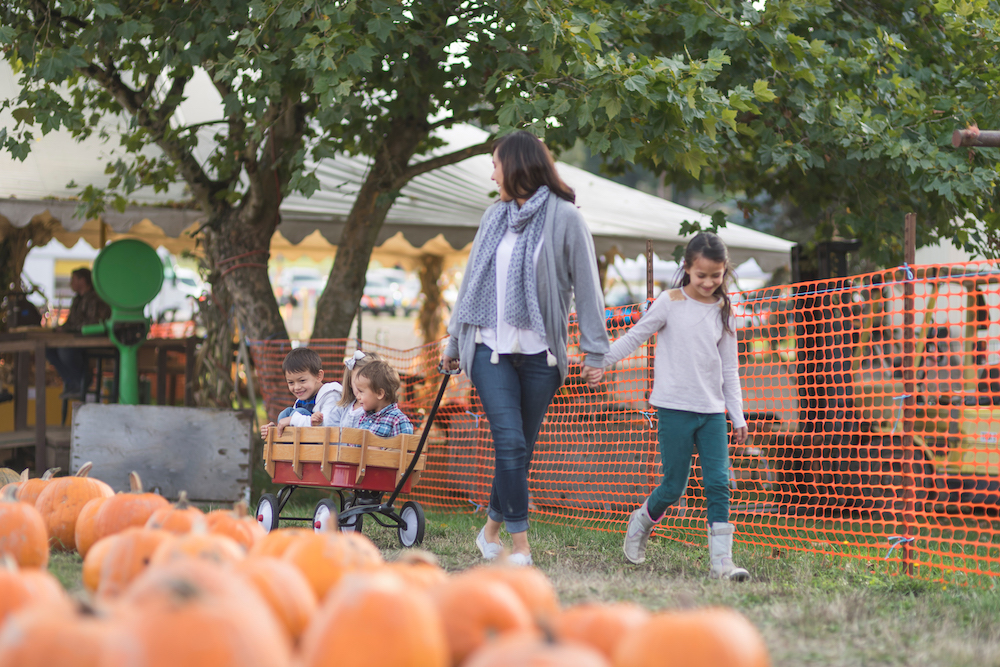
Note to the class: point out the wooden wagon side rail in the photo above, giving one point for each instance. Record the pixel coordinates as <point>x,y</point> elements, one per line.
<point>327,446</point>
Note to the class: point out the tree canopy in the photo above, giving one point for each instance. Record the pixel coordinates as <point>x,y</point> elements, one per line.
<point>842,108</point>
<point>366,77</point>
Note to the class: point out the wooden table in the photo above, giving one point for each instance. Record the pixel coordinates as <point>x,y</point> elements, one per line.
<point>26,343</point>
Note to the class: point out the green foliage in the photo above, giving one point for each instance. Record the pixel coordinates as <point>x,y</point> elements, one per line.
<point>847,111</point>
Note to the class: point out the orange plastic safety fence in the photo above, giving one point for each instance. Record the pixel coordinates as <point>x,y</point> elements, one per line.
<point>874,411</point>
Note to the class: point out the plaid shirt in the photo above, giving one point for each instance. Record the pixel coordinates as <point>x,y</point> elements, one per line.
<point>387,422</point>
<point>86,308</point>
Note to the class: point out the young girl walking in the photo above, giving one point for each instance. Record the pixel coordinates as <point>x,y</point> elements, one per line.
<point>696,382</point>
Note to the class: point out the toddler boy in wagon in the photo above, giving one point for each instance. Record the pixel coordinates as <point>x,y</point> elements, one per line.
<point>314,399</point>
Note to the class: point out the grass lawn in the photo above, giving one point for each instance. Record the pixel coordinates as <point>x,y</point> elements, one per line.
<point>812,609</point>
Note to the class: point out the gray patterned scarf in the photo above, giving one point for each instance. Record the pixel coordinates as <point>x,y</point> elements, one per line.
<point>479,307</point>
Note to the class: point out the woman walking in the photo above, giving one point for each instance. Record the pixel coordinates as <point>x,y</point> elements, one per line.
<point>532,257</point>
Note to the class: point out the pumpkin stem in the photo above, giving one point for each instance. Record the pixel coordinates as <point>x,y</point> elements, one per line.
<point>24,475</point>
<point>50,473</point>
<point>182,501</point>
<point>84,470</point>
<point>134,482</point>
<point>240,509</point>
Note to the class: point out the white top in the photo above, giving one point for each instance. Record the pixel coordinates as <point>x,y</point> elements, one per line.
<point>530,342</point>
<point>696,365</point>
<point>326,402</point>
<point>348,417</point>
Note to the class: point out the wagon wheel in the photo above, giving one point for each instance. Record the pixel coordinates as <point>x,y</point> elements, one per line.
<point>325,516</point>
<point>267,512</point>
<point>411,531</point>
<point>351,524</point>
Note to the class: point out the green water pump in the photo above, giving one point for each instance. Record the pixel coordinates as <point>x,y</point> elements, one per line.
<point>127,274</point>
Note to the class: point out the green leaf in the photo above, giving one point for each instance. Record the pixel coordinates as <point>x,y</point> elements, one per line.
<point>105,9</point>
<point>23,115</point>
<point>762,92</point>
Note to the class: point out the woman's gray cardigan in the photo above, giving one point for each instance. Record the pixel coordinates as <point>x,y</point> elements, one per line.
<point>567,265</point>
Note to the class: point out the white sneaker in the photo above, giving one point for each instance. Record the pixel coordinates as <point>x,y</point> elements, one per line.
<point>490,550</point>
<point>522,560</point>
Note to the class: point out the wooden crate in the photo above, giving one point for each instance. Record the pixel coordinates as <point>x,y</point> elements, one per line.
<point>333,448</point>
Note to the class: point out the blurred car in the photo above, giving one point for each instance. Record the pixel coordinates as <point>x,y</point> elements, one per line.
<point>381,294</point>
<point>296,283</point>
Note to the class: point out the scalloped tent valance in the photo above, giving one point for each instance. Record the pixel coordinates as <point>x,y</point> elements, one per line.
<point>437,212</point>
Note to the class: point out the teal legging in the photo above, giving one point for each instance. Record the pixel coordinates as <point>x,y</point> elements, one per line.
<point>678,432</point>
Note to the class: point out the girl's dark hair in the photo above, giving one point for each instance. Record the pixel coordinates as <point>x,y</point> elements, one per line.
<point>711,247</point>
<point>527,165</point>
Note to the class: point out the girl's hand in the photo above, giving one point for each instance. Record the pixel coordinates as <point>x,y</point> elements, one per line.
<point>448,363</point>
<point>592,375</point>
<point>741,435</point>
<point>316,419</point>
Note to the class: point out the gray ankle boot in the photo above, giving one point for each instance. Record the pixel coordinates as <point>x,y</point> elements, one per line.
<point>720,551</point>
<point>640,525</point>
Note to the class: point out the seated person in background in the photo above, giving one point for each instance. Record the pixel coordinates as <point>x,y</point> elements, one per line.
<point>348,411</point>
<point>376,386</point>
<point>303,370</point>
<point>86,308</point>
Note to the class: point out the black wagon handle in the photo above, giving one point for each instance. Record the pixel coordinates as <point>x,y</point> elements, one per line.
<point>446,373</point>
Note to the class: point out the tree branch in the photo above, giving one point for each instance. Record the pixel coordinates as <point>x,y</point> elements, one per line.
<point>441,161</point>
<point>202,186</point>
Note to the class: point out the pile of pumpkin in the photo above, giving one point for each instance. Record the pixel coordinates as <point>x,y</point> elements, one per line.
<point>170,585</point>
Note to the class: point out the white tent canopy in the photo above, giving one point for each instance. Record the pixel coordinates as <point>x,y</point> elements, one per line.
<point>441,208</point>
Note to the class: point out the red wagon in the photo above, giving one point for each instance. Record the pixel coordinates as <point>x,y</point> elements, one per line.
<point>349,460</point>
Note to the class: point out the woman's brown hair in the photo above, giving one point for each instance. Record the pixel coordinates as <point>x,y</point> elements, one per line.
<point>527,165</point>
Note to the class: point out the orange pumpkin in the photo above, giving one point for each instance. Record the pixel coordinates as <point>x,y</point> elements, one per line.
<point>236,524</point>
<point>529,650</point>
<point>60,503</point>
<point>178,518</point>
<point>475,609</point>
<point>22,533</point>
<point>28,491</point>
<point>284,588</point>
<point>85,533</point>
<point>217,549</point>
<point>194,613</point>
<point>125,510</point>
<point>128,555</point>
<point>418,568</point>
<point>42,636</point>
<point>600,626</point>
<point>531,585</point>
<point>703,637</point>
<point>410,635</point>
<point>19,588</point>
<point>276,542</point>
<point>93,562</point>
<point>324,558</point>
<point>14,484</point>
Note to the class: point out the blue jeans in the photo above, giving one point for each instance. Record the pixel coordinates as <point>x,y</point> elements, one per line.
<point>515,394</point>
<point>678,432</point>
<point>69,363</point>
<point>288,412</point>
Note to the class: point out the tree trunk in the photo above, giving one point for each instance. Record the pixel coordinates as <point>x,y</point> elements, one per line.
<point>238,250</point>
<point>430,320</point>
<point>338,304</point>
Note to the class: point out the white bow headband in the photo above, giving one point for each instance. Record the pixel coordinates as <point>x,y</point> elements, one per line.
<point>350,361</point>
